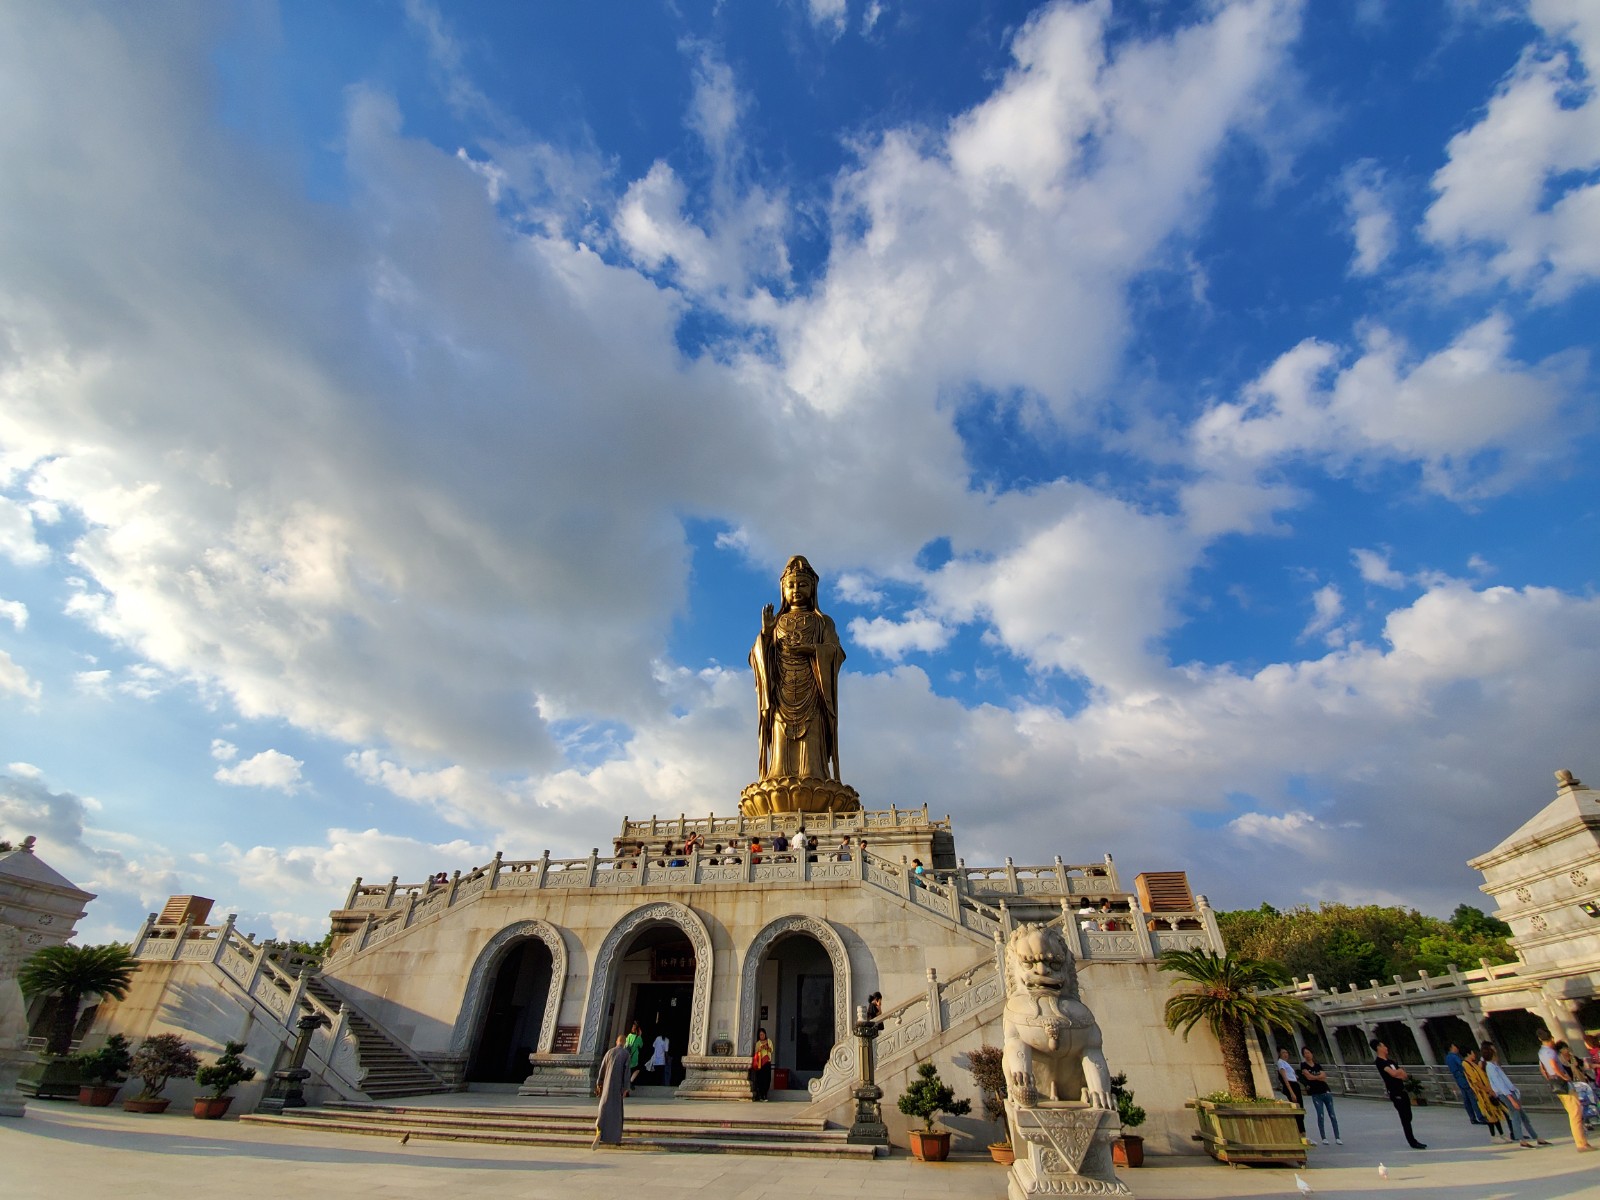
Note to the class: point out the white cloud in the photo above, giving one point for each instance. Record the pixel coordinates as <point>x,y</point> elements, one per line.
<point>93,683</point>
<point>1518,195</point>
<point>1472,417</point>
<point>1375,569</point>
<point>269,769</point>
<point>332,867</point>
<point>16,523</point>
<point>1297,829</point>
<point>14,611</point>
<point>25,770</point>
<point>1372,224</point>
<point>1328,606</point>
<point>223,751</point>
<point>893,639</point>
<point>15,679</point>
<point>829,15</point>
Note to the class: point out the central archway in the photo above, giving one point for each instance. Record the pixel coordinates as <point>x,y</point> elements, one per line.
<point>505,961</point>
<point>608,960</point>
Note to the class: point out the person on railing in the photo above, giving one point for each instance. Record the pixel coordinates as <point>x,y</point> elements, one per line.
<point>800,844</point>
<point>780,845</point>
<point>917,872</point>
<point>755,849</point>
<point>842,854</point>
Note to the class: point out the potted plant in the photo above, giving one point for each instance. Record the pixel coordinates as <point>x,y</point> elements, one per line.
<point>1128,1149</point>
<point>221,1075</point>
<point>68,974</point>
<point>927,1096</point>
<point>1231,996</point>
<point>103,1071</point>
<point>160,1057</point>
<point>1413,1087</point>
<point>990,1076</point>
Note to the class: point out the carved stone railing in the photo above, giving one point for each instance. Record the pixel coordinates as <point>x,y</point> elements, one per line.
<point>916,1022</point>
<point>1058,879</point>
<point>275,992</point>
<point>714,828</point>
<point>393,908</point>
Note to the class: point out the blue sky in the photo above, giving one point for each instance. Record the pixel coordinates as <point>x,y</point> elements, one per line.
<point>406,409</point>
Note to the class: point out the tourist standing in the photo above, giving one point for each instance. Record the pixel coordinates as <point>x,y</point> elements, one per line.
<point>1511,1096</point>
<point>1559,1078</point>
<point>1492,1110</point>
<point>658,1057</point>
<point>1582,1086</point>
<point>800,845</point>
<point>611,1087</point>
<point>761,1067</point>
<point>1452,1062</point>
<point>1289,1081</point>
<point>1394,1084</point>
<point>1314,1076</point>
<point>843,853</point>
<point>635,1043</point>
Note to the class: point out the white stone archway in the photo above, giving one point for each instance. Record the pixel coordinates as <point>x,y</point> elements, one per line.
<point>481,981</point>
<point>607,961</point>
<point>830,941</point>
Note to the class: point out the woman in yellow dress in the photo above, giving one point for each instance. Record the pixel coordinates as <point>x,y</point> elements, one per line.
<point>1488,1103</point>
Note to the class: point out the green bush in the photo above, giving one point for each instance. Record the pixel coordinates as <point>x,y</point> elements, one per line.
<point>161,1057</point>
<point>106,1065</point>
<point>928,1095</point>
<point>1131,1115</point>
<point>227,1072</point>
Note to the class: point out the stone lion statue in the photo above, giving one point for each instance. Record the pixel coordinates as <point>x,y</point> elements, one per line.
<point>1052,1041</point>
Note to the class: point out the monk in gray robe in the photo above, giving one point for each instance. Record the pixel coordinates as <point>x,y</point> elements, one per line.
<point>611,1087</point>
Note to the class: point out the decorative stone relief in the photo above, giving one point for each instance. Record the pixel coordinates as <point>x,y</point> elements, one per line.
<point>1539,923</point>
<point>666,912</point>
<point>1579,878</point>
<point>1524,894</point>
<point>763,941</point>
<point>481,981</point>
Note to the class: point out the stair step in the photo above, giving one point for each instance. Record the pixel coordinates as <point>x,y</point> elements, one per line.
<point>545,1117</point>
<point>781,1145</point>
<point>512,1121</point>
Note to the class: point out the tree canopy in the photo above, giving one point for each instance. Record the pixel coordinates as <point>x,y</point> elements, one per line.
<point>1343,944</point>
<point>1226,995</point>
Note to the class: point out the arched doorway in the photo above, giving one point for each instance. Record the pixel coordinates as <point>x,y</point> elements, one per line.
<point>513,1016</point>
<point>796,985</point>
<point>654,967</point>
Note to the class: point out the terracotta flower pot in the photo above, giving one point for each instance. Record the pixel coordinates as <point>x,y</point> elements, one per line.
<point>1128,1150</point>
<point>931,1147</point>
<point>1002,1153</point>
<point>211,1108</point>
<point>98,1095</point>
<point>156,1105</point>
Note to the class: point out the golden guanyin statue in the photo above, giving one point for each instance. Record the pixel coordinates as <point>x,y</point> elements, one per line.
<point>796,661</point>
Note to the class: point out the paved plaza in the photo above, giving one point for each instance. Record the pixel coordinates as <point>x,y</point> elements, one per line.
<point>62,1150</point>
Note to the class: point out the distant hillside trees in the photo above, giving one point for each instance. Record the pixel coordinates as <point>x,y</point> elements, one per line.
<point>1343,944</point>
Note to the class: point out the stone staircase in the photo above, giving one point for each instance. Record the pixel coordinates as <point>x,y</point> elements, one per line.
<point>388,1069</point>
<point>574,1128</point>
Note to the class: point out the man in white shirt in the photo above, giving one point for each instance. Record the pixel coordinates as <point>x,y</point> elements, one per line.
<point>1560,1080</point>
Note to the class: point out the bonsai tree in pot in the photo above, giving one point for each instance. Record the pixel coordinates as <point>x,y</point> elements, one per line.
<point>1128,1149</point>
<point>103,1071</point>
<point>990,1076</point>
<point>926,1097</point>
<point>227,1072</point>
<point>1227,994</point>
<point>159,1058</point>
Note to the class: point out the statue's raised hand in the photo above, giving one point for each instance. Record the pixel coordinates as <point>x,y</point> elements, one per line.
<point>768,621</point>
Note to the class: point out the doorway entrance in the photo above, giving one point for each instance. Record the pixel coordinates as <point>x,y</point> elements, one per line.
<point>509,1030</point>
<point>796,996</point>
<point>662,1010</point>
<point>655,987</point>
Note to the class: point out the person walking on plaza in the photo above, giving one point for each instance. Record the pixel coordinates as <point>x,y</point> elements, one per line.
<point>1394,1084</point>
<point>1452,1062</point>
<point>1314,1078</point>
<point>1511,1097</point>
<point>611,1087</point>
<point>1289,1082</point>
<point>1560,1081</point>
<point>761,1067</point>
<point>1478,1080</point>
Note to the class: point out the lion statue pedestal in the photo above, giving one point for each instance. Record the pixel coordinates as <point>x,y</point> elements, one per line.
<point>1060,1109</point>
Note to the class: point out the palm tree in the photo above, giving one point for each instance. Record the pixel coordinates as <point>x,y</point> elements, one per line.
<point>1227,996</point>
<point>71,973</point>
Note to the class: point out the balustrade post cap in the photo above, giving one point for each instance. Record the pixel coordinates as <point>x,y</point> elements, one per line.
<point>394,879</point>
<point>1058,860</point>
<point>546,854</point>
<point>932,975</point>
<point>1009,861</point>
<point>456,874</point>
<point>358,881</point>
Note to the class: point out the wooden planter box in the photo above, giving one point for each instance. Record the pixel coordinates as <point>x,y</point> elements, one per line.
<point>1250,1133</point>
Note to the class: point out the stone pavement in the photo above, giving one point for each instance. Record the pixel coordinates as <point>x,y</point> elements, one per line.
<point>62,1150</point>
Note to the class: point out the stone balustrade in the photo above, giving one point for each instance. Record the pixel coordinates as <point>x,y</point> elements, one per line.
<point>260,972</point>
<point>974,898</point>
<point>714,828</point>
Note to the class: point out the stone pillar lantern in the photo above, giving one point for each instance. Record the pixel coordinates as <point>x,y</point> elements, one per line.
<point>288,1086</point>
<point>868,1128</point>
